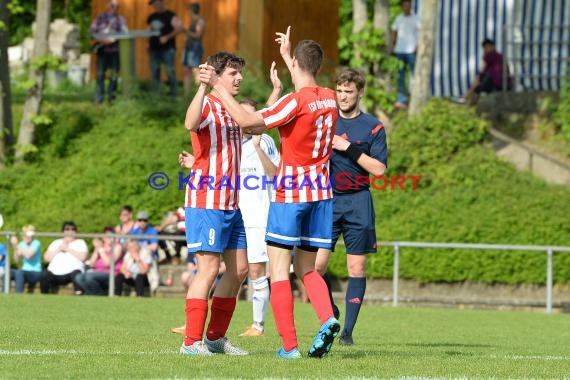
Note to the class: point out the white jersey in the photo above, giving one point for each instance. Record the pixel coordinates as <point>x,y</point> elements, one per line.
<point>255,191</point>
<point>408,28</point>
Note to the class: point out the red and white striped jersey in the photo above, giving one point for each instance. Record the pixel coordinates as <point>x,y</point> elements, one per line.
<point>307,121</point>
<point>217,148</point>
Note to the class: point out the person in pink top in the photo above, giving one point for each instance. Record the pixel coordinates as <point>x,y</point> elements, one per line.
<point>96,281</point>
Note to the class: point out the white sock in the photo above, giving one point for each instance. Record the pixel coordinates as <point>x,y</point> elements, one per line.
<point>260,300</point>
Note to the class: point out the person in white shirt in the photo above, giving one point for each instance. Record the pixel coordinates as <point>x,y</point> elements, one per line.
<point>66,258</point>
<point>405,34</point>
<point>259,158</point>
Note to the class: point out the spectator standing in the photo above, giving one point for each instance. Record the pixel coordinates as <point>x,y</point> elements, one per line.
<point>405,35</point>
<point>66,258</point>
<point>194,50</point>
<point>162,48</point>
<point>29,251</point>
<point>107,49</point>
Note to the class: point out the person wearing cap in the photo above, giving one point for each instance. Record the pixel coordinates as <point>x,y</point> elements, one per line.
<point>29,252</point>
<point>490,76</point>
<point>66,258</point>
<point>162,48</point>
<point>145,228</point>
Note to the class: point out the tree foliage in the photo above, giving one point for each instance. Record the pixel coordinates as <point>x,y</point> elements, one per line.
<point>366,50</point>
<point>22,15</point>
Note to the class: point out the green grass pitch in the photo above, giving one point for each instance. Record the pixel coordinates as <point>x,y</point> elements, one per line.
<point>66,337</point>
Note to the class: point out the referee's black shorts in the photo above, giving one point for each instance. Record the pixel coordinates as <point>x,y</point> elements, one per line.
<point>353,217</point>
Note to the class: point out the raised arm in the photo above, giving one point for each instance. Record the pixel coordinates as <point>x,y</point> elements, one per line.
<point>194,111</point>
<point>277,86</point>
<point>285,47</point>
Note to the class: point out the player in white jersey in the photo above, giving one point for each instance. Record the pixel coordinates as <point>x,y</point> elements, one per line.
<point>259,158</point>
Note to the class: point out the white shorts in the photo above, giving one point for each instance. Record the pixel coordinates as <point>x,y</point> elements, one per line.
<point>256,247</point>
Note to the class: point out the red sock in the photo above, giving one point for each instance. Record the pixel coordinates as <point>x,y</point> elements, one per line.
<point>222,311</point>
<point>196,313</point>
<point>282,303</point>
<point>318,294</point>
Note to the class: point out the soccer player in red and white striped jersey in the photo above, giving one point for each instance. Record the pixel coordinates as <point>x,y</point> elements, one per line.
<point>300,213</point>
<point>214,225</point>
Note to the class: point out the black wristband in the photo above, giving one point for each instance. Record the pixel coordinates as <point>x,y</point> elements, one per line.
<point>353,152</point>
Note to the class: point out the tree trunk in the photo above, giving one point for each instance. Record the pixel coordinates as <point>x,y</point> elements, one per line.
<point>6,131</point>
<point>359,15</point>
<point>33,102</point>
<point>382,19</point>
<point>422,74</point>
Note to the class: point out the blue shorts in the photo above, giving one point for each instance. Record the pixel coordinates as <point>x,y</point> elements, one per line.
<point>214,230</point>
<point>300,224</point>
<point>353,216</point>
<point>192,55</point>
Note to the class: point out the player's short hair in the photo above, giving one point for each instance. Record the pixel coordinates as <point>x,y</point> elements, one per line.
<point>222,60</point>
<point>351,76</point>
<point>487,41</point>
<point>405,1</point>
<point>249,101</point>
<point>309,55</point>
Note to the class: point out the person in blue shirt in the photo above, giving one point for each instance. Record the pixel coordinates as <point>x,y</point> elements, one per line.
<point>29,250</point>
<point>145,228</point>
<point>359,149</point>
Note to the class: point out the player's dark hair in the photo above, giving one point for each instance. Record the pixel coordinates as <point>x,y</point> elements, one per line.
<point>309,55</point>
<point>128,208</point>
<point>249,101</point>
<point>487,41</point>
<point>351,75</point>
<point>405,1</point>
<point>222,60</point>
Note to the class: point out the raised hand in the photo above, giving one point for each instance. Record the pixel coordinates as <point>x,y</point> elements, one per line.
<point>275,81</point>
<point>208,75</point>
<point>285,46</point>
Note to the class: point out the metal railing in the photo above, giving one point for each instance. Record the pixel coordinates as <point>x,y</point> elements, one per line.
<point>493,247</point>
<point>396,245</point>
<point>114,238</point>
